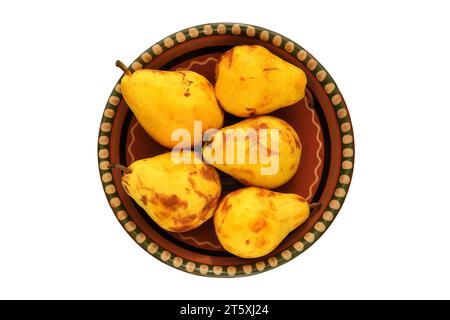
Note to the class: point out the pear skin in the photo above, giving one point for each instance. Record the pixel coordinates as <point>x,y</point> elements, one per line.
<point>164,101</point>
<point>178,197</point>
<point>250,80</point>
<point>252,222</point>
<point>279,162</point>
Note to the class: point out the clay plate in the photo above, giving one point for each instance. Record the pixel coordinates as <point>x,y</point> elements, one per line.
<point>321,120</point>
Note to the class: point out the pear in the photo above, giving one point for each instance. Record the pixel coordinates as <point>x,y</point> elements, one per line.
<point>164,101</point>
<point>261,151</point>
<point>250,80</point>
<point>177,196</point>
<point>252,222</point>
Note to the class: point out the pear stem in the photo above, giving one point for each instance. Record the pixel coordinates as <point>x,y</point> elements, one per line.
<point>314,205</point>
<point>124,68</point>
<point>120,167</point>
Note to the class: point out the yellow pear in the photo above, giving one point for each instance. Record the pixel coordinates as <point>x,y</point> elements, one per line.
<point>177,196</point>
<point>252,222</point>
<point>164,101</point>
<point>250,80</point>
<point>261,151</point>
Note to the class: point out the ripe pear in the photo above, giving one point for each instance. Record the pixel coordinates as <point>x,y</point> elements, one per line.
<point>164,101</point>
<point>250,80</point>
<point>178,197</point>
<point>252,222</point>
<point>268,155</point>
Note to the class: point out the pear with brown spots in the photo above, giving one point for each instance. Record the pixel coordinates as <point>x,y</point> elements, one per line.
<point>164,101</point>
<point>253,81</point>
<point>252,222</point>
<point>177,196</point>
<point>261,151</point>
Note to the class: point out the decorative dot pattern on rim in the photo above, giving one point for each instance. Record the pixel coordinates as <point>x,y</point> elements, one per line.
<point>332,208</point>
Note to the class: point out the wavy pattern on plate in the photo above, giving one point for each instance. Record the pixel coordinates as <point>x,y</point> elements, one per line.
<point>309,103</point>
<point>133,139</point>
<point>198,63</point>
<point>200,243</point>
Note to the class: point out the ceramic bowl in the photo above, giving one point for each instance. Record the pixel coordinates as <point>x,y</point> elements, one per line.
<point>321,120</point>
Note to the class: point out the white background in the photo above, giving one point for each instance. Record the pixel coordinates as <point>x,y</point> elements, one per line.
<point>58,236</point>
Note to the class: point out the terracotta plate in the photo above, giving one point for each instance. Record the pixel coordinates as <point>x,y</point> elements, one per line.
<point>321,120</point>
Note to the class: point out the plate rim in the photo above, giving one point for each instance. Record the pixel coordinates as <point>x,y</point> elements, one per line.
<point>340,190</point>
